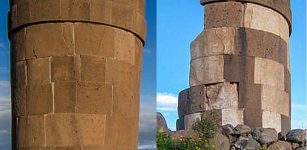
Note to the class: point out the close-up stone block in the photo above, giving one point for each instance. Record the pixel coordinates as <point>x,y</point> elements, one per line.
<point>39,99</point>
<point>93,68</point>
<point>183,103</point>
<point>123,101</point>
<point>65,97</point>
<point>63,68</point>
<point>18,46</point>
<point>124,49</point>
<point>38,70</point>
<point>271,120</point>
<point>94,98</point>
<point>119,73</point>
<point>207,70</point>
<point>94,40</point>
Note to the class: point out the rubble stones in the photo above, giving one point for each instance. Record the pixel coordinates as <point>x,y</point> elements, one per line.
<point>280,145</point>
<point>296,136</point>
<point>242,129</point>
<point>268,135</point>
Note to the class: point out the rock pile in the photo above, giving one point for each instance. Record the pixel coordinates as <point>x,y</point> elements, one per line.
<point>242,137</point>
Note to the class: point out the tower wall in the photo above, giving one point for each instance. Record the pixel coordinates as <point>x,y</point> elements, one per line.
<point>76,67</point>
<point>240,65</point>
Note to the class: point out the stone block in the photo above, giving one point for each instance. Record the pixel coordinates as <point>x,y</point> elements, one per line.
<point>38,70</point>
<point>285,123</point>
<point>119,73</point>
<point>21,134</point>
<point>275,100</point>
<point>23,12</point>
<point>271,120</point>
<point>180,124</point>
<point>190,119</point>
<point>39,99</point>
<point>101,10</point>
<point>197,99</point>
<point>44,40</point>
<point>36,130</point>
<point>94,40</point>
<point>93,69</point>
<point>124,48</point>
<point>75,129</point>
<point>19,100</point>
<point>207,70</point>
<point>94,98</point>
<point>64,97</point>
<point>123,101</point>
<point>123,16</point>
<point>232,116</point>
<point>120,130</point>
<point>75,10</point>
<point>20,74</point>
<point>214,41</point>
<point>265,19</point>
<point>52,10</point>
<point>183,103</point>
<point>287,80</point>
<point>63,68</point>
<point>138,52</point>
<point>269,72</point>
<point>251,42</point>
<point>224,14</point>
<point>18,50</point>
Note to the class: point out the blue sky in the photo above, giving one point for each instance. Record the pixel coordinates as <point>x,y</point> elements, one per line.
<point>148,83</point>
<point>180,21</point>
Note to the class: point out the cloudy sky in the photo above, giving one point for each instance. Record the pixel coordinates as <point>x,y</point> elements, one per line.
<point>180,21</point>
<point>148,83</point>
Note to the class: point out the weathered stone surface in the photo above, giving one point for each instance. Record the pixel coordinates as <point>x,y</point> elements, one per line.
<point>228,14</point>
<point>232,116</point>
<point>285,123</point>
<point>220,141</point>
<point>183,103</point>
<point>94,98</point>
<point>301,148</point>
<point>268,135</point>
<point>271,120</point>
<point>190,119</point>
<point>93,69</point>
<point>242,129</point>
<point>280,145</point>
<point>207,70</point>
<point>296,136</point>
<point>197,99</point>
<point>227,129</point>
<point>161,123</point>
<point>38,71</point>
<point>221,96</point>
<point>241,142</point>
<point>39,99</point>
<point>124,48</point>
<point>65,97</point>
<point>220,39</point>
<point>63,68</point>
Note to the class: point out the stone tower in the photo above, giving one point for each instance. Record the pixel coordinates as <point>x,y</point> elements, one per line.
<point>76,67</point>
<point>240,70</point>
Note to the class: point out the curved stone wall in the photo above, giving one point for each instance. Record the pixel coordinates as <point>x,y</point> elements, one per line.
<point>76,67</point>
<point>240,65</point>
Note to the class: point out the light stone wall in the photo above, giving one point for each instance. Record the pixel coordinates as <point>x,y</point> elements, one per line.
<point>244,43</point>
<point>76,67</point>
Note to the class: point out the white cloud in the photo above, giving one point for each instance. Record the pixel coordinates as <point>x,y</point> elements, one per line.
<point>167,102</point>
<point>4,84</point>
<point>299,106</point>
<point>148,147</point>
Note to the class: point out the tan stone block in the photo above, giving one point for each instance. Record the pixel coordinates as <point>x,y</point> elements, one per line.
<point>38,70</point>
<point>121,130</point>
<point>23,11</point>
<point>285,123</point>
<point>232,116</point>
<point>39,99</point>
<point>94,98</point>
<point>52,10</point>
<point>64,97</point>
<point>12,17</point>
<point>207,70</point>
<point>75,10</point>
<point>36,130</point>
<point>266,19</point>
<point>197,99</point>
<point>287,78</point>
<point>93,68</point>
<point>73,130</point>
<point>141,6</point>
<point>271,120</point>
<point>18,50</point>
<point>269,72</point>
<point>101,11</point>
<point>21,134</point>
<point>124,47</point>
<point>214,41</point>
<point>275,100</point>
<point>19,100</point>
<point>21,74</point>
<point>52,39</point>
<point>138,52</point>
<point>140,27</point>
<point>63,68</point>
<point>122,101</point>
<point>68,148</point>
<point>123,16</point>
<point>224,14</point>
<point>94,40</point>
<point>119,73</point>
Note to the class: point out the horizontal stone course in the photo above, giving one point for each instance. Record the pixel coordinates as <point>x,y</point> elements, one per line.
<point>281,6</point>
<point>237,14</point>
<point>126,15</point>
